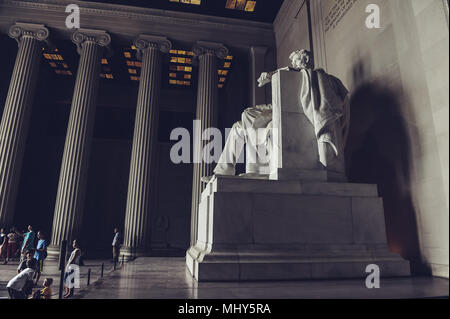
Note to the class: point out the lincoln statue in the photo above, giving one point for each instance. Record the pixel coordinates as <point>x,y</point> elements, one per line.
<point>325,103</point>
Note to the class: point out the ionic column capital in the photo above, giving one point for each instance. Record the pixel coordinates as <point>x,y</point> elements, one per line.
<point>99,37</point>
<point>20,30</point>
<point>212,48</point>
<point>145,41</point>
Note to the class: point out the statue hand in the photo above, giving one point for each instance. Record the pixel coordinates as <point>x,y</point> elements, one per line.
<point>264,79</point>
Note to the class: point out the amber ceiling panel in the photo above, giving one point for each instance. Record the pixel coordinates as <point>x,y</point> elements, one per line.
<point>255,10</point>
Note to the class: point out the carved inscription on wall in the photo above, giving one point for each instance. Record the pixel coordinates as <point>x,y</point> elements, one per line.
<point>335,12</point>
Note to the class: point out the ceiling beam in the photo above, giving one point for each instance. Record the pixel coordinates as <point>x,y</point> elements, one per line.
<point>125,23</point>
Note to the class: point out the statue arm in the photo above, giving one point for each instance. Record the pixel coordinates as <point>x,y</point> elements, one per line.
<point>266,77</point>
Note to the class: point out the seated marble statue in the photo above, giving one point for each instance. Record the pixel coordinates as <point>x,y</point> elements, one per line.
<point>325,103</point>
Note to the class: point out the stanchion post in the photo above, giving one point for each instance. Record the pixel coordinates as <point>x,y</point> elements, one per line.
<point>62,263</point>
<point>103,268</point>
<point>89,277</point>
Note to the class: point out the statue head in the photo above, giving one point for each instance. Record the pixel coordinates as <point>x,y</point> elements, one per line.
<point>301,59</point>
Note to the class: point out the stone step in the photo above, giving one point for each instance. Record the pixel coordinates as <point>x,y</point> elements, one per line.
<point>231,267</point>
<point>235,184</point>
<point>305,253</point>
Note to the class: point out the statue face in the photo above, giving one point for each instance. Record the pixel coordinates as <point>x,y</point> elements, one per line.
<point>297,62</point>
<point>301,59</point>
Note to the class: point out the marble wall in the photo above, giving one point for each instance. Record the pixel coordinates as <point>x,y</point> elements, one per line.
<point>291,30</point>
<point>398,76</point>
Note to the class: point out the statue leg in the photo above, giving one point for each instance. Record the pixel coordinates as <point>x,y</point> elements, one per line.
<point>255,120</point>
<point>244,132</point>
<point>232,151</point>
<point>258,155</point>
<point>332,154</point>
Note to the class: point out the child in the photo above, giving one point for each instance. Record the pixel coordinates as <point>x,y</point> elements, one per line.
<point>46,292</point>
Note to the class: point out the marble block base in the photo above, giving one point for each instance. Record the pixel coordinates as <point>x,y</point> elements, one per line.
<point>253,229</point>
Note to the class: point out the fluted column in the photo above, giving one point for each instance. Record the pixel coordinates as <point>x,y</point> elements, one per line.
<point>207,112</point>
<point>17,111</point>
<point>145,143</point>
<point>72,179</point>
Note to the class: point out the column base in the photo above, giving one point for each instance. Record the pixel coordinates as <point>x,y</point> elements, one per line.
<point>53,253</point>
<point>131,253</point>
<point>154,251</point>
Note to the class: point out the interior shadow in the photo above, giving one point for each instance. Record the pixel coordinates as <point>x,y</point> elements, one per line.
<point>379,152</point>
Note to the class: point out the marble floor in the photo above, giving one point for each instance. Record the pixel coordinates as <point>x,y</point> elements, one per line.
<point>167,278</point>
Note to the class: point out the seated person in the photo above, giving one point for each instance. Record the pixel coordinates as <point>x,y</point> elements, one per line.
<point>29,255</point>
<point>46,292</point>
<point>325,102</point>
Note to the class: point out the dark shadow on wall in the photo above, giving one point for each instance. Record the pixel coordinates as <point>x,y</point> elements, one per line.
<point>378,152</point>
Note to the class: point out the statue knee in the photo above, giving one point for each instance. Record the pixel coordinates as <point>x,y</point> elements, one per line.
<point>237,127</point>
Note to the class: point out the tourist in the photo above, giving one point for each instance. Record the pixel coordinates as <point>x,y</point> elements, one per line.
<point>19,286</point>
<point>116,245</point>
<point>29,239</point>
<point>46,292</point>
<point>29,255</point>
<point>3,245</point>
<point>40,255</point>
<point>72,264</point>
<point>13,244</point>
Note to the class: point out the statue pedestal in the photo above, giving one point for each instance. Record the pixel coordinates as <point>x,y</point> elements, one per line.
<point>253,229</point>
